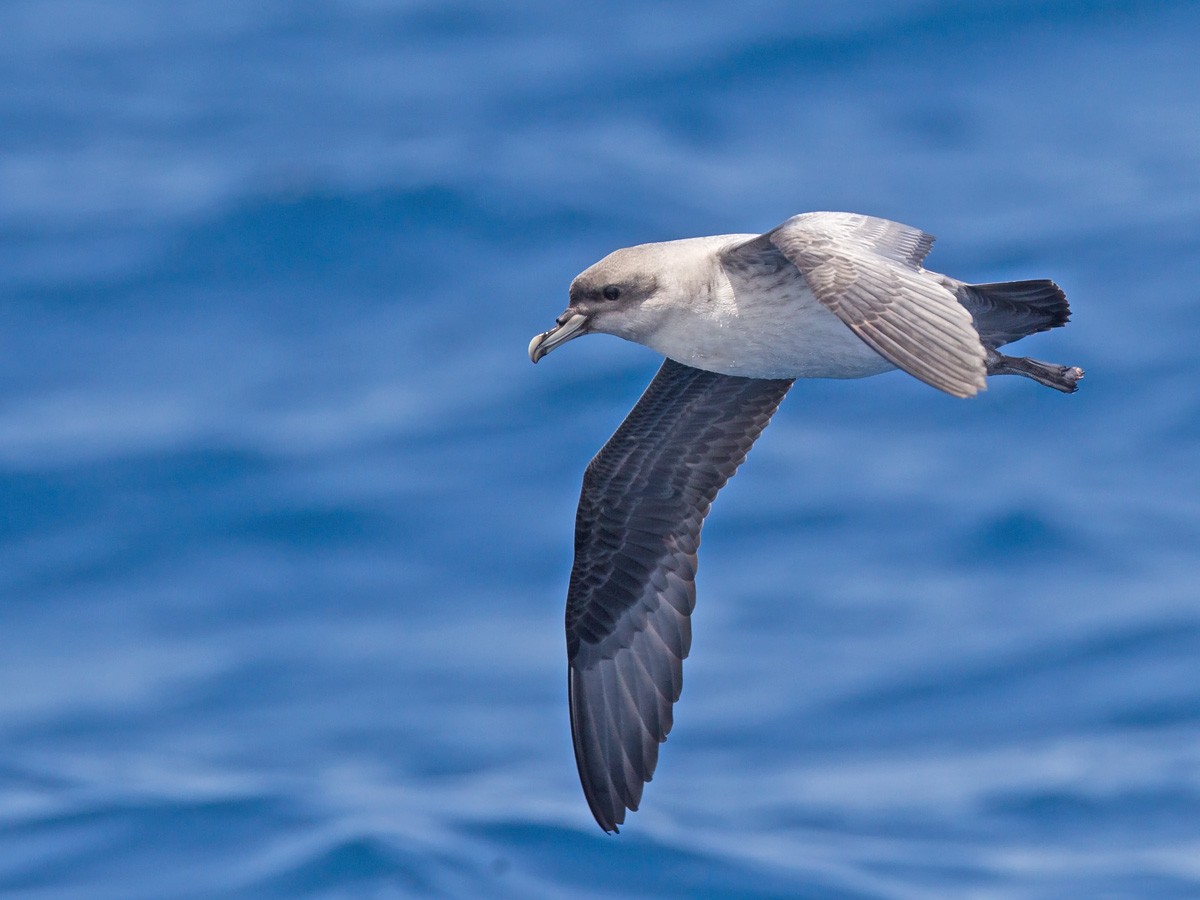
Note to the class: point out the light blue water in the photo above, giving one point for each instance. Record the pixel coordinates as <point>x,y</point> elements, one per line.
<point>285,512</point>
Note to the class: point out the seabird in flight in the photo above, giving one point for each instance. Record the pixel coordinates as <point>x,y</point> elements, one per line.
<point>738,317</point>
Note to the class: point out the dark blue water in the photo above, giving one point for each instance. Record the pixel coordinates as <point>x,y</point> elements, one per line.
<point>285,512</point>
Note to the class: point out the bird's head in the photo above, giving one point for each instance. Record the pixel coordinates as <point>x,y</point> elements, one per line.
<point>620,295</point>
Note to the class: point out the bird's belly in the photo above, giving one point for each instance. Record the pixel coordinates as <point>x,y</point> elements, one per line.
<point>799,339</point>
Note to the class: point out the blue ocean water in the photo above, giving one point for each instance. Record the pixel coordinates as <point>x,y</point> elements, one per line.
<point>286,513</point>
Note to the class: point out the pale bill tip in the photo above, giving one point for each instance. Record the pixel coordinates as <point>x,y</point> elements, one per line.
<point>560,334</point>
<point>534,356</point>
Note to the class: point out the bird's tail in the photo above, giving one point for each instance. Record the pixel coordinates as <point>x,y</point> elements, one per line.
<point>1009,310</point>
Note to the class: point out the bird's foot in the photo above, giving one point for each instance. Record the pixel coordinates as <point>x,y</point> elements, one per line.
<point>1061,378</point>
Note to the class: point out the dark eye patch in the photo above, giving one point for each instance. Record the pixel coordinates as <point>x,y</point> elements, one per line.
<point>612,292</point>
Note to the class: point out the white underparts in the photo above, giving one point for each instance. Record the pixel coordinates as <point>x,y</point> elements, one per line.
<point>771,327</point>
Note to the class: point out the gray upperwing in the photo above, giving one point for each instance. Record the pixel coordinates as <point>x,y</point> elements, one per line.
<point>893,240</point>
<point>644,499</point>
<point>867,272</point>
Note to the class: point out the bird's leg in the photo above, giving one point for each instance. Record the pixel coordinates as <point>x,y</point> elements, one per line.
<point>1061,378</point>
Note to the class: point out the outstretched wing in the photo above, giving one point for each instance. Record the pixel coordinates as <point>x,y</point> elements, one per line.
<point>867,271</point>
<point>644,499</point>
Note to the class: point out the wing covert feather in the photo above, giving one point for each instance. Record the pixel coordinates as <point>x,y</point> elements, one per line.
<point>867,271</point>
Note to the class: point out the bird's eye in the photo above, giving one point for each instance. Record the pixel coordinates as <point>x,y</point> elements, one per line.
<point>612,292</point>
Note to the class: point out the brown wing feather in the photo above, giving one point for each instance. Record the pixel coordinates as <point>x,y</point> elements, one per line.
<point>867,272</point>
